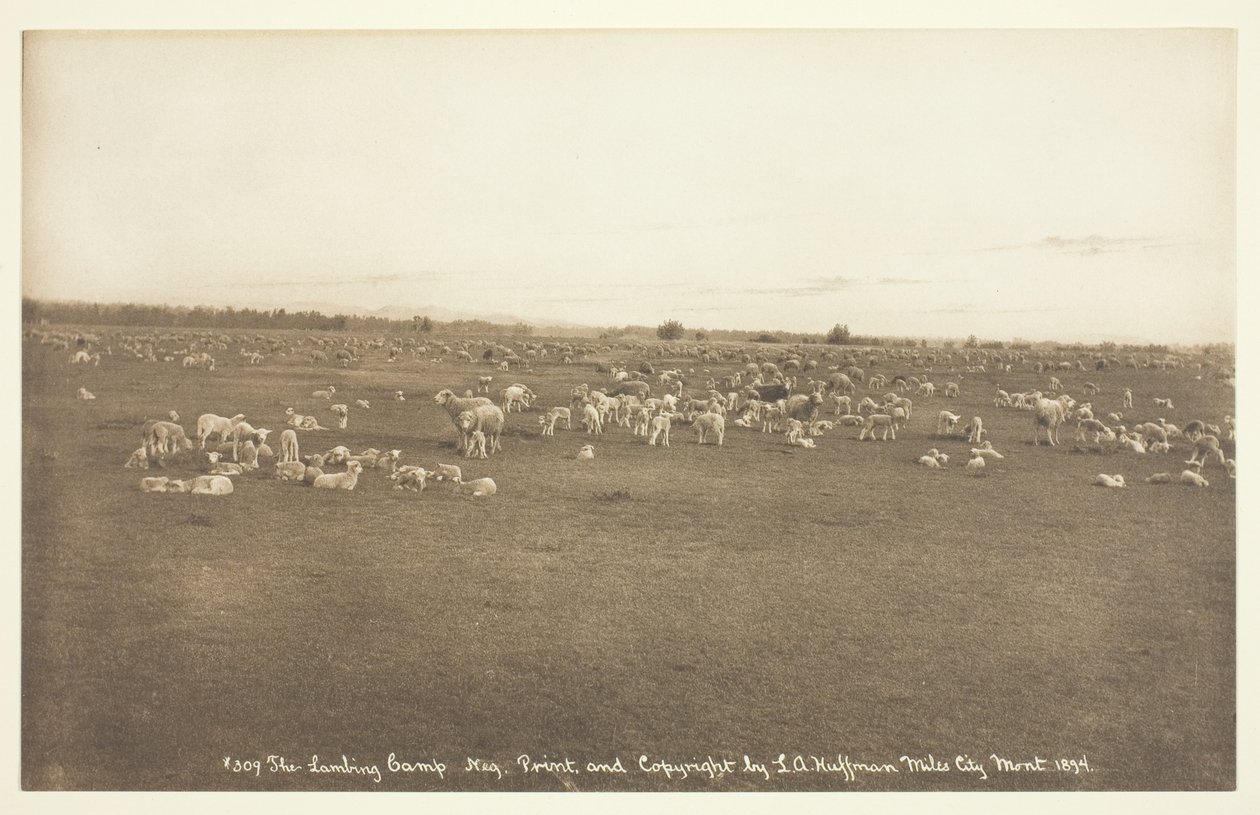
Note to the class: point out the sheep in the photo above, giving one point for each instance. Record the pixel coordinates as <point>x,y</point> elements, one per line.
<point>1159,478</point>
<point>243,431</point>
<point>1194,430</point>
<point>204,485</point>
<point>288,446</point>
<point>986,451</point>
<point>945,422</point>
<point>227,468</point>
<point>514,396</point>
<point>249,456</point>
<point>1002,399</point>
<point>84,395</point>
<point>158,484</point>
<point>1048,414</point>
<point>387,459</point>
<point>363,403</point>
<point>1104,480</point>
<point>642,419</point>
<point>1192,479</point>
<point>483,384</point>
<point>1127,398</point>
<point>843,404</point>
<point>951,390</point>
<point>819,427</point>
<point>591,420</point>
<point>1090,389</point>
<point>1130,443</point>
<point>1091,426</point>
<point>587,453</point>
<point>456,405</point>
<point>290,470</point>
<point>1231,468</point>
<point>709,426</point>
<point>480,487</point>
<point>409,477</point>
<point>447,472</point>
<point>1205,446</point>
<point>975,466</point>
<point>975,430</point>
<point>930,462</point>
<point>340,481</point>
<point>342,413</point>
<point>209,424</point>
<point>165,438</point>
<point>1115,417</point>
<point>866,404</point>
<point>398,396</point>
<point>770,418</point>
<point>173,416</point>
<point>881,421</point>
<point>850,421</point>
<point>1164,403</point>
<point>328,394</point>
<point>139,459</point>
<point>336,455</point>
<point>803,407</point>
<point>660,429</point>
<point>803,441</point>
<point>1055,385</point>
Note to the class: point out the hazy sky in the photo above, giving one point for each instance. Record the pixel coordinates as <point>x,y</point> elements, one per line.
<point>1041,184</point>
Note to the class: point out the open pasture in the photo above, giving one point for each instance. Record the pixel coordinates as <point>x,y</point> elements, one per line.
<point>677,603</point>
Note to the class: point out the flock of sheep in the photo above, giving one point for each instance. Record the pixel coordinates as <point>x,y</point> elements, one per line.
<point>802,396</point>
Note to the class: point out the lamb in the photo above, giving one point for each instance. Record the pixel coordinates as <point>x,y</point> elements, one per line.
<point>158,484</point>
<point>975,430</point>
<point>1090,389</point>
<point>398,396</point>
<point>1194,430</point>
<point>290,470</point>
<point>328,394</point>
<point>227,468</point>
<point>1104,480</point>
<point>447,472</point>
<point>930,462</point>
<point>770,418</point>
<point>139,460</point>
<point>388,459</point>
<point>1192,479</point>
<point>587,453</point>
<point>288,447</point>
<point>986,451</point>
<point>483,384</point>
<point>204,485</point>
<point>1128,398</point>
<point>84,395</point>
<point>243,431</point>
<point>480,487</point>
<point>709,426</point>
<point>817,428</point>
<point>165,438</point>
<point>337,455</point>
<point>1002,399</point>
<point>1231,468</point>
<point>340,481</point>
<point>249,456</point>
<point>409,477</point>
<point>803,441</point>
<point>1133,445</point>
<point>945,422</point>
<point>1164,403</point>
<point>1055,385</point>
<point>363,403</point>
<point>209,424</point>
<point>456,405</point>
<point>1091,426</point>
<point>881,421</point>
<point>643,418</point>
<point>514,396</point>
<point>591,419</point>
<point>343,415</point>
<point>976,465</point>
<point>485,419</point>
<point>951,390</point>
<point>843,404</point>
<point>660,429</point>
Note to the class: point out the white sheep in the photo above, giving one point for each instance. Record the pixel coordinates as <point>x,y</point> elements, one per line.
<point>398,396</point>
<point>587,453</point>
<point>880,421</point>
<point>363,403</point>
<point>930,462</point>
<point>203,485</point>
<point>340,481</point>
<point>1128,398</point>
<point>84,395</point>
<point>1192,479</point>
<point>328,394</point>
<point>710,426</point>
<point>976,465</point>
<point>409,477</point>
<point>342,412</point>
<point>210,424</point>
<point>139,459</point>
<point>290,470</point>
<point>975,430</point>
<point>447,472</point>
<point>1231,468</point>
<point>1164,403</point>
<point>1204,447</point>
<point>946,422</point>
<point>591,419</point>
<point>1104,480</point>
<point>158,484</point>
<point>288,446</point>
<point>548,421</point>
<point>660,429</point>
<point>480,487</point>
<point>803,441</point>
<point>986,451</point>
<point>476,445</point>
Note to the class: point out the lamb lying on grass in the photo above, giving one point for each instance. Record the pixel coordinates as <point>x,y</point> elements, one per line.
<point>1103,480</point>
<point>480,487</point>
<point>587,453</point>
<point>1192,479</point>
<point>340,481</point>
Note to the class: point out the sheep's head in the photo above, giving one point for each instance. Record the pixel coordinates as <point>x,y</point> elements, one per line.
<point>262,435</point>
<point>466,420</point>
<point>353,467</point>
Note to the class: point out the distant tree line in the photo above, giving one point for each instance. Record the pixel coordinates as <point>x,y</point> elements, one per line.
<point>134,314</point>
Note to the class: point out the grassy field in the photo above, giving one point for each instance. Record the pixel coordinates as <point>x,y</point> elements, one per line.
<point>679,604</point>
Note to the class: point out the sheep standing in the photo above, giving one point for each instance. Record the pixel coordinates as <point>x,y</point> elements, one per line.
<point>709,426</point>
<point>288,446</point>
<point>456,405</point>
<point>591,419</point>
<point>485,419</point>
<point>476,445</point>
<point>1048,414</point>
<point>210,424</point>
<point>945,422</point>
<point>880,421</point>
<point>660,429</point>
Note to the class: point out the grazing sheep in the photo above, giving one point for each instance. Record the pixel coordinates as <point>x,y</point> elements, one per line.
<point>85,395</point>
<point>328,394</point>
<point>514,396</point>
<point>483,384</point>
<point>340,481</point>
<point>548,421</point>
<point>363,403</point>
<point>1002,399</point>
<point>1193,430</point>
<point>587,453</point>
<point>975,430</point>
<point>1090,389</point>
<point>591,419</point>
<point>158,484</point>
<point>1192,479</point>
<point>881,421</point>
<point>1206,446</point>
<point>709,426</point>
<point>1159,478</point>
<point>1055,385</point>
<point>209,424</point>
<point>480,487</point>
<point>660,429</point>
<point>1048,414</point>
<point>976,465</point>
<point>165,438</point>
<point>1091,426</point>
<point>951,390</point>
<point>1104,480</point>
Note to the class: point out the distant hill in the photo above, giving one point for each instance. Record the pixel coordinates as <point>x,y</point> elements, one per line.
<point>437,313</point>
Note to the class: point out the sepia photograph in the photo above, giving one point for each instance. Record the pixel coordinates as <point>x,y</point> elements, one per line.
<point>681,410</point>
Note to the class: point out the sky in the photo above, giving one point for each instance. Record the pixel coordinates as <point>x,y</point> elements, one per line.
<point>1076,185</point>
